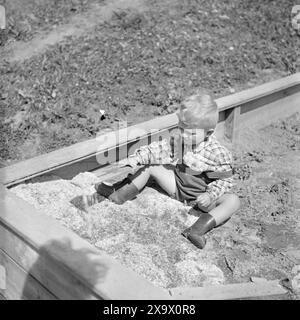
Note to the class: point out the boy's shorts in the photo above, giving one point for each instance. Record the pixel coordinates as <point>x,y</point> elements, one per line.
<point>190,184</point>
<point>189,187</point>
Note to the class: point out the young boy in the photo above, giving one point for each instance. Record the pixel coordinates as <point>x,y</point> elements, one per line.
<point>201,174</point>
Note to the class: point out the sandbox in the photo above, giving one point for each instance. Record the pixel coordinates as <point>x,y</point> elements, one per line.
<point>45,258</point>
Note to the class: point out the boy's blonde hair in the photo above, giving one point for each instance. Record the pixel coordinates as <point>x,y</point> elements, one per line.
<point>199,111</point>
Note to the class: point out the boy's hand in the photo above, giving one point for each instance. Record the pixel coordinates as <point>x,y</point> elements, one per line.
<point>122,163</point>
<point>204,199</point>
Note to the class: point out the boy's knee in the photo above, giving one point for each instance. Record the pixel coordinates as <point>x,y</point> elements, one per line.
<point>154,171</point>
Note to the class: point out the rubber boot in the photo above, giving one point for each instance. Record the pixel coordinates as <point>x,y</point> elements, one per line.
<point>126,192</point>
<point>196,232</point>
<point>106,190</point>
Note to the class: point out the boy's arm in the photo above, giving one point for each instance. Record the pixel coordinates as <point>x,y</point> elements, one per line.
<point>218,187</point>
<point>158,152</point>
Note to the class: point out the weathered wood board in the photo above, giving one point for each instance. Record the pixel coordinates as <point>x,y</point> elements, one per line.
<point>20,284</point>
<point>230,291</point>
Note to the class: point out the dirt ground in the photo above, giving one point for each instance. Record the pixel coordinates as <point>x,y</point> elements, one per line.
<point>63,61</point>
<point>261,240</point>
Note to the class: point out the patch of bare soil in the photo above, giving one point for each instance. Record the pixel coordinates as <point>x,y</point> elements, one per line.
<point>91,15</point>
<point>262,239</point>
<point>26,19</point>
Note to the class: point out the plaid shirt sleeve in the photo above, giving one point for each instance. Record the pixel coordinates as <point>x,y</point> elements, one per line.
<point>158,152</point>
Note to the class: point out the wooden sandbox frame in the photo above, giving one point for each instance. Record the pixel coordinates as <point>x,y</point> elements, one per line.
<point>44,260</point>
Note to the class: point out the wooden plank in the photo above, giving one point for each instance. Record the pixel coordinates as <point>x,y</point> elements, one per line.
<point>232,124</point>
<point>44,268</point>
<point>259,113</point>
<point>64,263</point>
<point>20,285</point>
<point>113,173</point>
<point>258,92</point>
<point>229,291</point>
<point>91,153</point>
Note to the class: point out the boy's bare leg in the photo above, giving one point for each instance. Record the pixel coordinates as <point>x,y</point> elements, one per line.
<point>163,176</point>
<point>224,208</point>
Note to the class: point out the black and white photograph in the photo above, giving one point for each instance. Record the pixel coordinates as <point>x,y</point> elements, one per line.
<point>149,151</point>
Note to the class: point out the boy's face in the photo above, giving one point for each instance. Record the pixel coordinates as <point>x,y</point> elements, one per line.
<point>192,136</point>
<point>189,134</point>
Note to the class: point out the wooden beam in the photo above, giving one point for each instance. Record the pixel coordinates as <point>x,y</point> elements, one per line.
<point>90,154</point>
<point>232,124</point>
<point>229,291</point>
<point>38,264</point>
<point>113,174</point>
<point>257,114</point>
<point>68,266</point>
<point>20,285</point>
<point>258,92</point>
